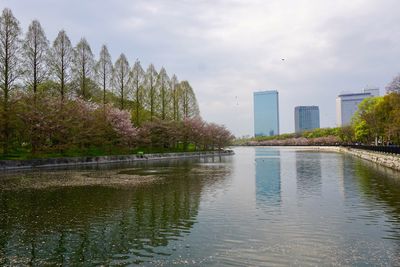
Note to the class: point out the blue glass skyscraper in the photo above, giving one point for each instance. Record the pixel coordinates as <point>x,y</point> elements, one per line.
<point>266,113</point>
<point>306,118</point>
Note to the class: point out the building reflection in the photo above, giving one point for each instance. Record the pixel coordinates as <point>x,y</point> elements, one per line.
<point>308,173</point>
<point>268,177</point>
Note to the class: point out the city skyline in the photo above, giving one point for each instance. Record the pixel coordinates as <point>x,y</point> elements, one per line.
<point>311,52</point>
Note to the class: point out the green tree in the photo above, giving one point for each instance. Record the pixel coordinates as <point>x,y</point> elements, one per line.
<point>60,62</point>
<point>163,84</point>
<point>83,66</point>
<point>189,106</point>
<point>138,91</point>
<point>151,90</point>
<point>10,69</point>
<point>35,55</point>
<point>104,71</point>
<point>368,120</point>
<point>121,79</point>
<point>174,85</point>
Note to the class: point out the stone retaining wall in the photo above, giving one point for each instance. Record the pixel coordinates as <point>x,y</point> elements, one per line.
<point>384,159</point>
<point>59,162</point>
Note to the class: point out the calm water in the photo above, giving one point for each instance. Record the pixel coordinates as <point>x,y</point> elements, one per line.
<point>261,207</point>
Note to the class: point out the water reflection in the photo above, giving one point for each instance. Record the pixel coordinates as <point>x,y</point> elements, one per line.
<point>381,186</point>
<point>308,173</point>
<point>212,213</point>
<point>102,225</point>
<point>268,176</point>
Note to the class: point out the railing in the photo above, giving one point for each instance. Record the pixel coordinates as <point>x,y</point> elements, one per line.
<point>384,149</point>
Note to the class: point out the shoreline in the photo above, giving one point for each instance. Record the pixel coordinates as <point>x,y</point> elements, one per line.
<point>391,161</point>
<point>6,165</point>
<point>384,159</point>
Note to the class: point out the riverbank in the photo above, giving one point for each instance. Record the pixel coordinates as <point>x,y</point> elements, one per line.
<point>385,159</point>
<point>78,161</point>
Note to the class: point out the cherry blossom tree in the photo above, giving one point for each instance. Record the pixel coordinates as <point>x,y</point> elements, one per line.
<point>394,85</point>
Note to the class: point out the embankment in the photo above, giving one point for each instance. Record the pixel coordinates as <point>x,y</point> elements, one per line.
<point>60,162</point>
<point>384,159</point>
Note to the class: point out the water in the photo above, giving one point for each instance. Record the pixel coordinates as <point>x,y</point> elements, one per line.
<point>261,207</point>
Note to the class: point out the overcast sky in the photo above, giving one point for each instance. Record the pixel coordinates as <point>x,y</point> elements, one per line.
<point>227,49</point>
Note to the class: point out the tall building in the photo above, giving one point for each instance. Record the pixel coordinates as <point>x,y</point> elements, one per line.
<point>306,118</point>
<point>266,113</point>
<point>347,104</point>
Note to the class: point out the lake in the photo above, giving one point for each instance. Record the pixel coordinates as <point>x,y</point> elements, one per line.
<point>263,206</point>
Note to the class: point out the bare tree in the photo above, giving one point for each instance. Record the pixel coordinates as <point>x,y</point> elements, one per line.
<point>10,70</point>
<point>394,85</point>
<point>83,65</point>
<point>35,55</point>
<point>151,90</point>
<point>121,78</point>
<point>189,105</point>
<point>104,69</point>
<point>138,94</point>
<point>60,61</point>
<point>174,86</point>
<point>164,89</point>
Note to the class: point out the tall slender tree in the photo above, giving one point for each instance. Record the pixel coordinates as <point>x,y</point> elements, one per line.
<point>189,105</point>
<point>61,60</point>
<point>35,55</point>
<point>151,89</point>
<point>83,66</point>
<point>174,85</point>
<point>10,71</point>
<point>138,94</point>
<point>104,69</point>
<point>121,79</point>
<point>164,90</point>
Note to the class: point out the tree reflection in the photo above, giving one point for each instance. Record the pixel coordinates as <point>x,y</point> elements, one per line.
<point>382,186</point>
<point>102,225</point>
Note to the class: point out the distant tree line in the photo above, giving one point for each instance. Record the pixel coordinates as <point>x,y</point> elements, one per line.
<point>56,97</point>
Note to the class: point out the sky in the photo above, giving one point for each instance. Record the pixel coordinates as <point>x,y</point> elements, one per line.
<point>227,49</point>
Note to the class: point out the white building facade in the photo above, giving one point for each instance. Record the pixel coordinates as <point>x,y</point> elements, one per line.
<point>347,105</point>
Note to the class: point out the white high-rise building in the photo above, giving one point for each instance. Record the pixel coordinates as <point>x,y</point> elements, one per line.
<point>347,104</point>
